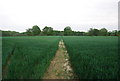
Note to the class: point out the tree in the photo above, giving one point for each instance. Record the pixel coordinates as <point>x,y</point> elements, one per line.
<point>109,33</point>
<point>57,33</point>
<point>119,33</point>
<point>29,31</point>
<point>68,31</point>
<point>10,33</point>
<point>79,33</point>
<point>48,30</point>
<point>96,32</point>
<point>103,32</point>
<point>114,33</point>
<point>93,32</point>
<point>23,34</point>
<point>36,30</point>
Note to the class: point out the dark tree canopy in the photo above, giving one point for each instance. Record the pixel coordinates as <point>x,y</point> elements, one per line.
<point>48,30</point>
<point>35,30</point>
<point>103,32</point>
<point>93,32</point>
<point>29,32</point>
<point>10,33</point>
<point>68,31</point>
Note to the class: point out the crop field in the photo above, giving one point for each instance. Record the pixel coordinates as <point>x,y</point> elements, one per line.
<point>27,57</point>
<point>93,57</point>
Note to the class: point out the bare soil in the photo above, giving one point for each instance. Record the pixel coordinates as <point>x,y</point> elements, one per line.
<point>60,67</point>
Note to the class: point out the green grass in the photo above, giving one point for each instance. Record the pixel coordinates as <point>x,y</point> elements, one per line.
<point>31,57</point>
<point>93,57</point>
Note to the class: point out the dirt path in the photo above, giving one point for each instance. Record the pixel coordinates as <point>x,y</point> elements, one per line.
<point>60,67</point>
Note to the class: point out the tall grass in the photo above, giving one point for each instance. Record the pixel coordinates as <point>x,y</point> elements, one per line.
<point>93,57</point>
<point>31,57</point>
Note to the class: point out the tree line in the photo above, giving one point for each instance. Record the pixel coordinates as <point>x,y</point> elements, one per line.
<point>48,31</point>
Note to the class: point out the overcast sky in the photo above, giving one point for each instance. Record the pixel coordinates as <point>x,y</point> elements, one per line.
<point>18,15</point>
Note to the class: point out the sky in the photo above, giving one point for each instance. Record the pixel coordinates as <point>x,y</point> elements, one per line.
<point>80,15</point>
